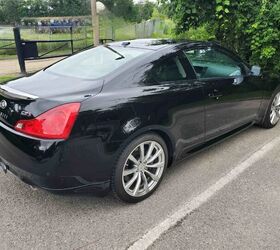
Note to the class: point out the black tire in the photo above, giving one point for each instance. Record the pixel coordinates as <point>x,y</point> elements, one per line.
<point>117,177</point>
<point>266,123</point>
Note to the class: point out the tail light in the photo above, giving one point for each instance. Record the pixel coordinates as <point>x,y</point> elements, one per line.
<point>56,123</point>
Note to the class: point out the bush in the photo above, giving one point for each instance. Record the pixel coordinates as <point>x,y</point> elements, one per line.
<point>251,27</point>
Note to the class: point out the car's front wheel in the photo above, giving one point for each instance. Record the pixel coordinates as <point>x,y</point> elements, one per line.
<point>140,168</point>
<point>273,114</point>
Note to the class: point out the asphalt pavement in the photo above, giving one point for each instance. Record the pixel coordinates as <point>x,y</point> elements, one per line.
<point>243,214</point>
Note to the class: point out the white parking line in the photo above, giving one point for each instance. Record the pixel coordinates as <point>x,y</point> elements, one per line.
<point>154,233</point>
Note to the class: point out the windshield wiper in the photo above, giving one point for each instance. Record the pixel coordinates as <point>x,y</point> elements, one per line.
<point>116,52</point>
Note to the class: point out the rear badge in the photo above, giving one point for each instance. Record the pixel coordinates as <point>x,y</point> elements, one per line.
<point>3,104</point>
<point>25,113</point>
<point>4,116</point>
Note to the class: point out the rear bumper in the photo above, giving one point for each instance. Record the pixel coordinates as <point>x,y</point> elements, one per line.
<point>73,183</point>
<point>42,163</point>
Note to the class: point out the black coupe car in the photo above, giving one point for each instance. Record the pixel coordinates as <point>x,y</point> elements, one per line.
<point>116,116</point>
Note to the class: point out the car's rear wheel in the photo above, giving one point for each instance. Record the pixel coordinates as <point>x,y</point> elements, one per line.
<point>273,113</point>
<point>140,168</point>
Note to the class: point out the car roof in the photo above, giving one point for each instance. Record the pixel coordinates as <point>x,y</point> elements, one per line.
<point>157,44</point>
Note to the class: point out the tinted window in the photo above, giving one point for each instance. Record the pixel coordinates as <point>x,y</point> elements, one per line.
<point>96,62</point>
<point>170,69</point>
<point>211,63</point>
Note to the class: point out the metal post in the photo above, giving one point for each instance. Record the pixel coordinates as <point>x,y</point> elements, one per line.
<point>85,29</point>
<point>72,44</point>
<point>95,23</point>
<point>20,50</point>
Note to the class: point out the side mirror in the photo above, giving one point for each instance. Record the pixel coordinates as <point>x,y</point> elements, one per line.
<point>256,71</point>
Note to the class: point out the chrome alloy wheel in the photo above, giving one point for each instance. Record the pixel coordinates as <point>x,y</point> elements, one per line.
<point>275,110</point>
<point>143,168</point>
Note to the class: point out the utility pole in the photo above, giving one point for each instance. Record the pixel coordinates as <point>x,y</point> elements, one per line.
<point>95,23</point>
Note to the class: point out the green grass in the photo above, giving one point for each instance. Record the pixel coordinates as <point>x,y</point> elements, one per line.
<point>6,78</point>
<point>30,34</point>
<point>110,27</point>
<point>7,57</point>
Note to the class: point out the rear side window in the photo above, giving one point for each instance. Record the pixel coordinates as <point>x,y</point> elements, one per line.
<point>212,63</point>
<point>170,69</point>
<point>96,62</point>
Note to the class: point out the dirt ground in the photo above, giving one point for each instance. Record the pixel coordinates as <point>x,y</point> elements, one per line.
<point>11,66</point>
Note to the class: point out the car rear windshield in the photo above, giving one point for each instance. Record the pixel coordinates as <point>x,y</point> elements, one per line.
<point>96,62</point>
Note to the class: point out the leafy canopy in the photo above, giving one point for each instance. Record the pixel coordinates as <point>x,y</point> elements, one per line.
<point>252,27</point>
<point>11,11</point>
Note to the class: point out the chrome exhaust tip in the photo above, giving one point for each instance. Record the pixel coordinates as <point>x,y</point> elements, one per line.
<point>3,167</point>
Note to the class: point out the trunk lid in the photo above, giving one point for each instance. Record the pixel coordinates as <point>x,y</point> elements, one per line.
<point>28,97</point>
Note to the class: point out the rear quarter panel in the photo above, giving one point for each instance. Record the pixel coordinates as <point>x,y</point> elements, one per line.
<point>127,108</point>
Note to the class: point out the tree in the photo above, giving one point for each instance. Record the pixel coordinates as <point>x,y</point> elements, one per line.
<point>265,34</point>
<point>122,8</point>
<point>31,8</point>
<point>68,7</point>
<point>249,26</point>
<point>10,11</point>
<point>144,10</point>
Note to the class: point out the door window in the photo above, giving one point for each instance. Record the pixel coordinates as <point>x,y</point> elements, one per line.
<point>170,69</point>
<point>212,63</point>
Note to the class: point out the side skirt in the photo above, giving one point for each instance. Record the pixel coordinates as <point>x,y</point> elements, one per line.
<point>215,141</point>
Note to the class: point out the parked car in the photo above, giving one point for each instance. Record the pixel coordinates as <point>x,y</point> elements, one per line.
<point>116,116</point>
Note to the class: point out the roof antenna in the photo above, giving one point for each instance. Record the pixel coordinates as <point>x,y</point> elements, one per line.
<point>125,44</point>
